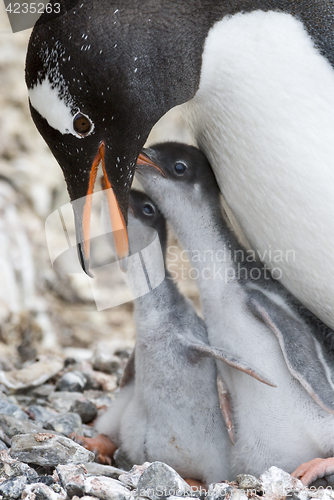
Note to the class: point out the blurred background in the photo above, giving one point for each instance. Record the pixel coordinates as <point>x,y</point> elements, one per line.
<point>44,309</point>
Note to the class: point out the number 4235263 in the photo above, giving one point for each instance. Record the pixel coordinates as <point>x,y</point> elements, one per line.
<point>32,8</point>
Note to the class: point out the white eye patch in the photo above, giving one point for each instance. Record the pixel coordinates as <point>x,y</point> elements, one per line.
<point>55,110</point>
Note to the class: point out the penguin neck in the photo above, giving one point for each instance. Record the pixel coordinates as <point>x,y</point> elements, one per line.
<point>152,287</point>
<point>162,298</point>
<point>154,313</point>
<point>212,247</point>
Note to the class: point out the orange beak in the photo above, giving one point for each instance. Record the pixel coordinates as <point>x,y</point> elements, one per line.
<point>117,220</point>
<point>143,159</point>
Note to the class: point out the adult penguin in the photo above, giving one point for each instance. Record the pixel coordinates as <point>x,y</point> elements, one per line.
<point>256,81</point>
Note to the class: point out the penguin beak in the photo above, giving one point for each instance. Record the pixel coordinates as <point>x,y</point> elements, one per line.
<point>145,160</point>
<point>118,223</point>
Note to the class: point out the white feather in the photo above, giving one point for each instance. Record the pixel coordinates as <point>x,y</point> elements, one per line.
<point>59,113</point>
<point>264,116</point>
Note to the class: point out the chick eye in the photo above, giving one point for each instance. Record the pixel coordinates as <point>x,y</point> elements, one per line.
<point>180,168</point>
<point>81,124</point>
<point>148,209</point>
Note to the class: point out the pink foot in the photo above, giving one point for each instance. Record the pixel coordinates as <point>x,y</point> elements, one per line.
<point>100,445</point>
<point>315,469</point>
<point>194,483</point>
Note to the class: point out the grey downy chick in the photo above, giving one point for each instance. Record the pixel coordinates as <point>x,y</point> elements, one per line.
<point>249,313</point>
<point>169,410</point>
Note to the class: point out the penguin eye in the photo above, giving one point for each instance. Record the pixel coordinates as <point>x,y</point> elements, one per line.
<point>180,168</point>
<point>82,124</point>
<point>148,209</point>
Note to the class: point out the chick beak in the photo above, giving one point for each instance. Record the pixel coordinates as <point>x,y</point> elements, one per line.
<point>145,160</point>
<point>116,218</point>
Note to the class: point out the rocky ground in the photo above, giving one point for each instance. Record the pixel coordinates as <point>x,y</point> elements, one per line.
<point>41,405</point>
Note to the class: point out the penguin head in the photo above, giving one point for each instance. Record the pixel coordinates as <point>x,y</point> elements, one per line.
<point>96,90</point>
<point>145,211</point>
<point>171,170</point>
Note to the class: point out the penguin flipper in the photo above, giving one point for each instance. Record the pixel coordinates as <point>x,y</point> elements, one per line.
<point>204,350</point>
<point>302,352</point>
<point>226,407</point>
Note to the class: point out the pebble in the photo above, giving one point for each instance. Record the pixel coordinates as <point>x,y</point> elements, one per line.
<point>103,361</point>
<point>3,446</point>
<point>326,493</point>
<point>248,482</point>
<point>104,488</point>
<point>13,488</point>
<point>85,497</point>
<point>63,401</point>
<point>39,413</point>
<point>43,391</point>
<point>99,398</point>
<point>4,438</point>
<point>104,470</point>
<point>78,354</point>
<point>12,426</point>
<point>23,400</point>
<point>48,480</point>
<point>124,353</point>
<point>65,424</point>
<point>238,495</point>
<point>33,375</point>
<point>92,384</point>
<point>57,488</point>
<point>12,409</point>
<point>131,478</point>
<point>278,483</point>
<point>104,381</point>
<point>218,491</point>
<point>72,382</point>
<point>89,431</point>
<point>10,468</point>
<point>76,481</point>
<point>41,491</point>
<point>65,473</point>
<point>85,408</point>
<point>48,449</point>
<point>159,480</point>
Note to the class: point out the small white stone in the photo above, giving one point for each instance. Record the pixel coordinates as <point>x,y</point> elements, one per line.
<point>131,478</point>
<point>277,483</point>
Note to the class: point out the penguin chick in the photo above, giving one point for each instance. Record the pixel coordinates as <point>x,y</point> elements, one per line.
<point>248,312</point>
<point>170,409</point>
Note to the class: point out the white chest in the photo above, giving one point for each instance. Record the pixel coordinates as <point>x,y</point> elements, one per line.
<point>264,115</point>
<point>280,425</point>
